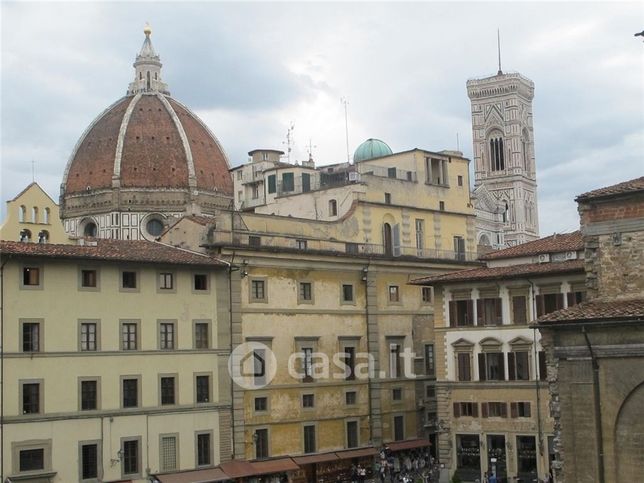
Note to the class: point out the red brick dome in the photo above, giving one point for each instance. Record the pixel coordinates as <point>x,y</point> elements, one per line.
<point>147,140</point>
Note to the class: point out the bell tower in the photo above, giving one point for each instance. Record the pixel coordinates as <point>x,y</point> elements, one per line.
<point>504,162</point>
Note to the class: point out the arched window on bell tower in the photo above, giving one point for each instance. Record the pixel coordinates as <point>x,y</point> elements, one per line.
<point>497,157</point>
<point>148,81</point>
<point>525,150</point>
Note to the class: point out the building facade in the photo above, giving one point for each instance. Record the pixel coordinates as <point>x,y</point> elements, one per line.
<point>595,358</point>
<point>114,361</point>
<point>504,159</point>
<point>493,415</point>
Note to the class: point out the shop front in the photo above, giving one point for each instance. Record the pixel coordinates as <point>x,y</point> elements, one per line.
<point>496,457</point>
<point>526,459</point>
<point>468,457</point>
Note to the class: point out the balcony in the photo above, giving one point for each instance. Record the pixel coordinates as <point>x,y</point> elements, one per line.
<point>391,173</point>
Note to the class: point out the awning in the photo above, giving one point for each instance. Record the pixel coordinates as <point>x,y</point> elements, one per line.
<point>315,458</point>
<point>237,468</point>
<point>356,453</point>
<point>278,465</point>
<point>409,444</point>
<point>199,476</point>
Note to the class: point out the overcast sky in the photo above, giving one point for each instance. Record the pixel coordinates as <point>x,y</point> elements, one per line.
<point>250,69</point>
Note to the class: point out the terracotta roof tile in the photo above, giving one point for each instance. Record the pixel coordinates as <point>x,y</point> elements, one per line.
<point>112,250</point>
<point>559,242</point>
<point>632,309</point>
<point>501,273</point>
<point>630,186</point>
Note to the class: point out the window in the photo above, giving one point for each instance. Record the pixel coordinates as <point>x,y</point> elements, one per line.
<point>459,248</point>
<point>239,174</point>
<point>202,337</point>
<point>543,370</point>
<point>461,313</point>
<point>350,398</point>
<point>272,187</point>
<point>43,236</point>
<point>575,298</point>
<point>261,404</point>
<point>347,292</point>
<point>436,171</point>
<point>306,182</point>
<point>129,336</point>
<point>130,390</point>
<point>333,208</point>
<point>352,434</point>
<point>399,428</point>
<point>88,336</point>
<point>22,211</point>
<point>202,389</point>
<point>168,453</point>
<point>166,335</point>
<point>420,236</point>
<point>388,198</point>
<point>89,278</point>
<point>441,205</point>
<point>491,366</point>
<point>308,400</point>
<point>489,311</point>
<point>350,363</point>
<point>89,461</point>
<point>288,182</point>
<point>31,397</point>
<point>130,457</point>
<point>430,391</point>
<point>261,443</point>
<point>259,367</point>
<point>547,303</point>
<point>34,214</point>
<point>166,281</point>
<point>309,438</point>
<point>258,290</point>
<point>307,363</point>
<point>168,390</point>
<point>128,280</point>
<point>300,244</point>
<point>154,226</point>
<point>464,363</point>
<point>351,248</point>
<point>429,360</point>
<point>396,394</point>
<point>25,236</point>
<point>518,366</point>
<point>494,410</point>
<point>31,276</point>
<point>470,409</point>
<point>497,161</point>
<point>88,395</point>
<point>32,459</point>
<point>520,409</point>
<point>519,310</point>
<point>31,337</point>
<point>468,453</point>
<point>240,195</point>
<point>305,293</point>
<point>391,172</point>
<point>204,449</point>
<point>394,293</point>
<point>460,180</point>
<point>395,369</point>
<point>255,189</point>
<point>254,241</point>
<point>200,282</point>
<point>426,295</point>
<point>526,457</point>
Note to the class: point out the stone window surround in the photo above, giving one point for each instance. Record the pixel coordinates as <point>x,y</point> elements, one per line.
<point>251,297</point>
<point>268,403</point>
<point>210,387</point>
<point>41,276</point>
<point>173,275</point>
<point>138,392</point>
<point>212,447</point>
<point>138,341</point>
<point>82,379</point>
<point>353,294</point>
<point>208,283</point>
<point>316,434</point>
<point>41,333</point>
<point>17,446</point>
<point>137,275</point>
<point>208,322</point>
<point>137,475</point>
<point>346,432</point>
<point>301,300</point>
<point>176,447</point>
<point>82,287</point>
<point>175,335</point>
<point>99,460</point>
<point>97,322</point>
<point>41,396</point>
<point>175,376</point>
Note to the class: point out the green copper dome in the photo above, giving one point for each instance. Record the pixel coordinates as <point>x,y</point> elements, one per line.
<point>370,149</point>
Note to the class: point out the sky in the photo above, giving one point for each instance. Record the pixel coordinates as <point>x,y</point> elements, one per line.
<point>250,70</point>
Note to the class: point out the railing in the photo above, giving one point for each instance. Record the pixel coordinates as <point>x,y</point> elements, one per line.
<point>392,173</point>
<point>298,187</point>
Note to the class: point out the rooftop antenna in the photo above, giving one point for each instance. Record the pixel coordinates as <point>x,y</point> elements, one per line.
<point>289,141</point>
<point>311,146</point>
<point>344,101</point>
<point>498,46</point>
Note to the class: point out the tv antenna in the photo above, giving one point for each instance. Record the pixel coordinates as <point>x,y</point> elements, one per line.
<point>498,47</point>
<point>289,141</point>
<point>310,150</point>
<point>344,101</point>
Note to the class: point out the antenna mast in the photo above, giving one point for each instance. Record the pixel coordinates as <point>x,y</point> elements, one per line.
<point>498,46</point>
<point>346,126</point>
<point>289,141</point>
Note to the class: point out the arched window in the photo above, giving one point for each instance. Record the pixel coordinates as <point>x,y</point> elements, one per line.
<point>333,208</point>
<point>387,240</point>
<point>497,158</point>
<point>34,214</point>
<point>140,75</point>
<point>506,212</point>
<point>148,83</point>
<point>46,216</point>
<point>90,229</point>
<point>25,236</point>
<point>22,213</point>
<point>43,236</point>
<point>156,76</point>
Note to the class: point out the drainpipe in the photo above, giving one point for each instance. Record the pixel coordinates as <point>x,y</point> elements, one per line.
<point>364,273</point>
<point>536,368</point>
<point>231,269</point>
<point>598,413</point>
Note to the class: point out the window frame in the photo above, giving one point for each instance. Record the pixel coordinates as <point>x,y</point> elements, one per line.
<point>137,280</point>
<point>264,396</point>
<point>426,295</point>
<point>252,291</point>
<point>81,380</point>
<point>97,334</point>
<point>175,389</point>
<point>305,399</point>
<point>161,323</point>
<point>211,454</point>
<point>40,323</point>
<point>343,300</point>
<point>41,396</point>
<point>394,428</point>
<point>195,393</point>
<point>346,397</point>
<point>193,282</point>
<point>305,426</point>
<point>81,279</point>
<point>41,274</point>
<point>137,334</point>
<point>429,359</point>
<point>129,439</point>
<point>18,446</point>
<point>134,377</point>
<point>177,451</point>
<point>267,431</point>
<point>173,281</point>
<point>300,296</point>
<point>397,300</point>
<point>347,443</point>
<point>99,460</point>
<point>208,324</point>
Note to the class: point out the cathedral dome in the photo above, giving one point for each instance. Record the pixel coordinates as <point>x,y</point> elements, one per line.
<point>146,151</point>
<point>370,149</point>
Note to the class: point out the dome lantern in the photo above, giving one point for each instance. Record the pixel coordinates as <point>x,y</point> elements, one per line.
<point>147,69</point>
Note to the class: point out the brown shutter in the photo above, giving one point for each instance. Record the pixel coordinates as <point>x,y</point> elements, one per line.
<point>502,366</point>
<point>452,313</point>
<point>457,410</point>
<point>479,312</point>
<point>513,410</point>
<point>571,298</point>
<point>560,301</point>
<point>519,309</point>
<point>504,410</point>
<point>482,374</point>
<point>499,311</point>
<point>527,410</point>
<point>475,410</point>
<point>511,367</point>
<point>484,410</point>
<point>470,313</point>
<point>540,305</point>
<point>543,369</point>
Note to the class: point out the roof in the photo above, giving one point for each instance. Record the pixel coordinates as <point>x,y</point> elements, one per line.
<point>370,149</point>
<point>504,273</point>
<point>558,242</point>
<point>112,250</point>
<point>631,186</point>
<point>28,187</point>
<point>597,310</point>
<point>199,476</point>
